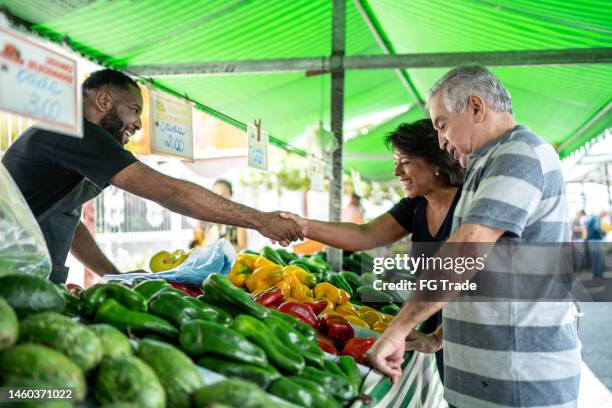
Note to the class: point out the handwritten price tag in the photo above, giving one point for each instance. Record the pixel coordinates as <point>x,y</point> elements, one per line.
<point>258,149</point>
<point>40,83</point>
<point>316,173</point>
<point>171,125</point>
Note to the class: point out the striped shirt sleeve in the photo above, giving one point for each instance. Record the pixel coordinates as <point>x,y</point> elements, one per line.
<point>509,191</point>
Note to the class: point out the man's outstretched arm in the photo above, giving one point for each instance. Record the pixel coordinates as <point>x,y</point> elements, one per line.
<point>194,201</point>
<point>86,250</point>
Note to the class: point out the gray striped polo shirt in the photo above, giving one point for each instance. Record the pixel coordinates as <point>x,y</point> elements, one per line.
<point>505,353</point>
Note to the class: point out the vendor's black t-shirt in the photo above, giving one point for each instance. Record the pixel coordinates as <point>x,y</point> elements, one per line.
<point>57,173</point>
<point>410,213</point>
<point>47,165</point>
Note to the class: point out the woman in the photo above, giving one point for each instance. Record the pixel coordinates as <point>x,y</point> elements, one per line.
<point>206,234</point>
<point>432,181</point>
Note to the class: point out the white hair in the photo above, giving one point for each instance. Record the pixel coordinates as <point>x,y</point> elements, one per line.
<point>471,80</point>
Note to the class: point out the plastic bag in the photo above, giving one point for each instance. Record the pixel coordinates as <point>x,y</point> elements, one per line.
<point>216,258</point>
<point>22,246</point>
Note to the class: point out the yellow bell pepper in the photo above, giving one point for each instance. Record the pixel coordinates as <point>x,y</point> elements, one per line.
<point>371,317</point>
<point>239,273</point>
<point>264,277</point>
<point>285,287</point>
<point>326,290</point>
<point>303,276</point>
<point>363,309</point>
<point>344,297</point>
<point>347,310</point>
<point>248,260</point>
<point>387,318</point>
<point>261,261</point>
<point>301,293</point>
<point>380,327</point>
<point>357,321</point>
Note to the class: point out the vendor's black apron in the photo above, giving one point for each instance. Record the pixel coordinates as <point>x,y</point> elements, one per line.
<point>58,224</point>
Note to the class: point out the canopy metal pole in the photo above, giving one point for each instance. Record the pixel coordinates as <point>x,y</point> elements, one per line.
<point>324,64</point>
<point>608,187</point>
<point>387,48</point>
<point>334,255</point>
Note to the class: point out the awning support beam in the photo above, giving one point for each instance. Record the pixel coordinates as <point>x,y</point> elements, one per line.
<point>363,62</point>
<point>334,255</point>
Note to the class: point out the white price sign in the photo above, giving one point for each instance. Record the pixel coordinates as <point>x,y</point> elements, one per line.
<point>258,147</point>
<point>356,182</point>
<point>316,173</point>
<point>40,83</point>
<point>171,125</point>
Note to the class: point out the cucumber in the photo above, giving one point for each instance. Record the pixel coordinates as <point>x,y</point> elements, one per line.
<point>37,363</point>
<point>128,379</point>
<point>367,294</point>
<point>233,393</point>
<point>28,294</point>
<point>65,335</point>
<point>176,372</point>
<point>9,327</point>
<point>114,342</point>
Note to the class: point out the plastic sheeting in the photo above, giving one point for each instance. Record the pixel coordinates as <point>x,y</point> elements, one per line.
<point>22,245</point>
<point>216,258</point>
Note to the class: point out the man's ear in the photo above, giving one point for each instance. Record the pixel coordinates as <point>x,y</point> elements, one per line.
<point>477,108</point>
<point>104,100</point>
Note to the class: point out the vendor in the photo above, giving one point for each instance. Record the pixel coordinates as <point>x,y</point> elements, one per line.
<point>432,181</point>
<point>58,173</point>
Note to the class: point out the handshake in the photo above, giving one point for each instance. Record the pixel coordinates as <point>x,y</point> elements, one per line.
<point>283,227</point>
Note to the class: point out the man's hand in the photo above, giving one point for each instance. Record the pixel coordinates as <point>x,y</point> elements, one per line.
<point>279,229</point>
<point>424,343</point>
<point>302,222</point>
<point>387,354</point>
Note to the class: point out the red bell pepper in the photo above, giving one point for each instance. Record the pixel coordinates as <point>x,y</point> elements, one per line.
<point>328,348</point>
<point>74,289</point>
<point>186,289</point>
<point>300,311</point>
<point>318,306</point>
<point>272,298</point>
<point>358,348</point>
<point>336,327</point>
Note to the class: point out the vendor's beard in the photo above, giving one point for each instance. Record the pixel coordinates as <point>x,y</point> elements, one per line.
<point>112,124</point>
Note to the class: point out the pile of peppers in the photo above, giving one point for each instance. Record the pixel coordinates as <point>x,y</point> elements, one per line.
<point>327,308</point>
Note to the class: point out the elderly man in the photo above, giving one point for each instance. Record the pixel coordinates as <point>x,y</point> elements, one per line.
<point>511,354</point>
<point>58,173</point>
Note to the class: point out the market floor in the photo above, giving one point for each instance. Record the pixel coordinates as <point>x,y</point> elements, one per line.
<point>596,337</point>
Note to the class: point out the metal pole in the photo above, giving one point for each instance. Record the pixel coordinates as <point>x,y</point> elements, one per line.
<point>334,255</point>
<point>387,48</point>
<point>324,64</point>
<point>608,187</point>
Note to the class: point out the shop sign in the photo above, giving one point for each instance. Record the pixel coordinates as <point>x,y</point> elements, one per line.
<point>171,125</point>
<point>40,83</point>
<point>258,146</point>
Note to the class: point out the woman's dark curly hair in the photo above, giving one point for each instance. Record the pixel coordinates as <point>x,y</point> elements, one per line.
<point>420,139</point>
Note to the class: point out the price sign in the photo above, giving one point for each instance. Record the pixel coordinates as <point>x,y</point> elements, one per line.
<point>258,147</point>
<point>39,83</point>
<point>171,125</point>
<point>316,173</point>
<point>356,182</point>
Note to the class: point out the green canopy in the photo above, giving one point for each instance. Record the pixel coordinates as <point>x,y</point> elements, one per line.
<point>567,105</point>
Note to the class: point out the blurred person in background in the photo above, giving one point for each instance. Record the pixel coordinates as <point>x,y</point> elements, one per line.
<point>206,234</point>
<point>594,241</point>
<point>353,212</point>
